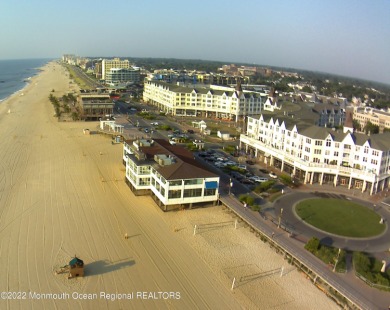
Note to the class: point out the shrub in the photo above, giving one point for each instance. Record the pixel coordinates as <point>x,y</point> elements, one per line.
<point>312,245</point>
<point>246,198</point>
<point>164,127</point>
<point>256,208</point>
<point>262,187</point>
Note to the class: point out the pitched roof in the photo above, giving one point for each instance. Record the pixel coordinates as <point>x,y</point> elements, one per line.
<point>185,165</point>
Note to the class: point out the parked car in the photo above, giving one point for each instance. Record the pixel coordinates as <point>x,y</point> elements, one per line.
<point>258,179</point>
<point>242,166</point>
<point>247,182</point>
<point>172,142</point>
<point>154,123</point>
<point>231,163</point>
<point>249,162</point>
<point>263,170</point>
<point>190,131</point>
<point>273,175</point>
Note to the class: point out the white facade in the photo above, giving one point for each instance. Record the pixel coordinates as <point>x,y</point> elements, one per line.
<point>321,155</point>
<point>213,101</point>
<point>165,178</point>
<point>122,75</point>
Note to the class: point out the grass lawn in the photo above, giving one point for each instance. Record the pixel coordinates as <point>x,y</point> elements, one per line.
<point>340,217</point>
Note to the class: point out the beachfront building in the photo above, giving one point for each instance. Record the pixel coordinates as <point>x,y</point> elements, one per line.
<point>94,105</point>
<point>117,76</point>
<point>169,173</point>
<point>376,117</point>
<point>210,102</point>
<point>107,64</point>
<point>321,155</point>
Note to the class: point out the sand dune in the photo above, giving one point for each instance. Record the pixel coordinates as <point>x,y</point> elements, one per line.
<point>62,194</point>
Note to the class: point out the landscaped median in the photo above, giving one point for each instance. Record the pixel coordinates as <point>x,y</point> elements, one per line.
<point>349,219</point>
<point>340,217</point>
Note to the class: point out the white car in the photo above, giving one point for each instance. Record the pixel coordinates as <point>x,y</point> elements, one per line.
<point>172,142</point>
<point>258,179</point>
<point>273,175</point>
<point>241,166</point>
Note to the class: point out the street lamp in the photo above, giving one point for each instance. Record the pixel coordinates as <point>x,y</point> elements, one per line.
<point>337,260</point>
<point>230,186</point>
<point>280,217</point>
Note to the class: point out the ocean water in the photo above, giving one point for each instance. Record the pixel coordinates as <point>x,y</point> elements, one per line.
<point>14,74</point>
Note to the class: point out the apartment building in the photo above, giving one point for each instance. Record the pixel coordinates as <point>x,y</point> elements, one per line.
<point>211,101</point>
<point>107,64</point>
<point>376,117</point>
<point>117,76</point>
<point>320,155</point>
<point>169,173</point>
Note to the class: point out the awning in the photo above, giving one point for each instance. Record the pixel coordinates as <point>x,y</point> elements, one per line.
<point>211,185</point>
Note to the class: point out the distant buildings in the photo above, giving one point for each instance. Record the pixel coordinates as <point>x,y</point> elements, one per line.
<point>211,101</point>
<point>379,118</point>
<point>170,174</point>
<point>321,155</point>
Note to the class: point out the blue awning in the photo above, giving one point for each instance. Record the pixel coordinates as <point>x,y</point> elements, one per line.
<point>211,185</point>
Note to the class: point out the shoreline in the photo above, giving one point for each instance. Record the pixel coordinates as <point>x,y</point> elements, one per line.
<point>28,80</point>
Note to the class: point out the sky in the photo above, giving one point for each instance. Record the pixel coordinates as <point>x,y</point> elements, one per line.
<point>344,37</point>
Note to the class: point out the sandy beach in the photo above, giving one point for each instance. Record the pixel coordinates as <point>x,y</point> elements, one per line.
<point>62,193</point>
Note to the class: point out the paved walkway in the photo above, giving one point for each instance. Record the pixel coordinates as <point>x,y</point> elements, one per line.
<point>348,284</point>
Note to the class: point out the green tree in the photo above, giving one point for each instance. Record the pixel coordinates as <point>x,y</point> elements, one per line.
<point>371,128</point>
<point>356,125</point>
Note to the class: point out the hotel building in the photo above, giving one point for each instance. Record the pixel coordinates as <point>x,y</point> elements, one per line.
<point>123,75</point>
<point>170,174</point>
<point>320,155</point>
<point>212,102</point>
<point>107,64</point>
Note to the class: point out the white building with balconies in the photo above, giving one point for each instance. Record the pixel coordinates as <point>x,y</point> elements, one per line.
<point>211,101</point>
<point>321,155</point>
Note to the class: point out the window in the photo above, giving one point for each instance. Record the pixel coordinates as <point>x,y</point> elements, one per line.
<point>317,151</point>
<point>144,181</point>
<point>318,142</point>
<point>194,192</point>
<point>193,181</point>
<point>210,192</point>
<point>336,154</point>
<point>328,142</point>
<point>175,183</point>
<point>174,194</point>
